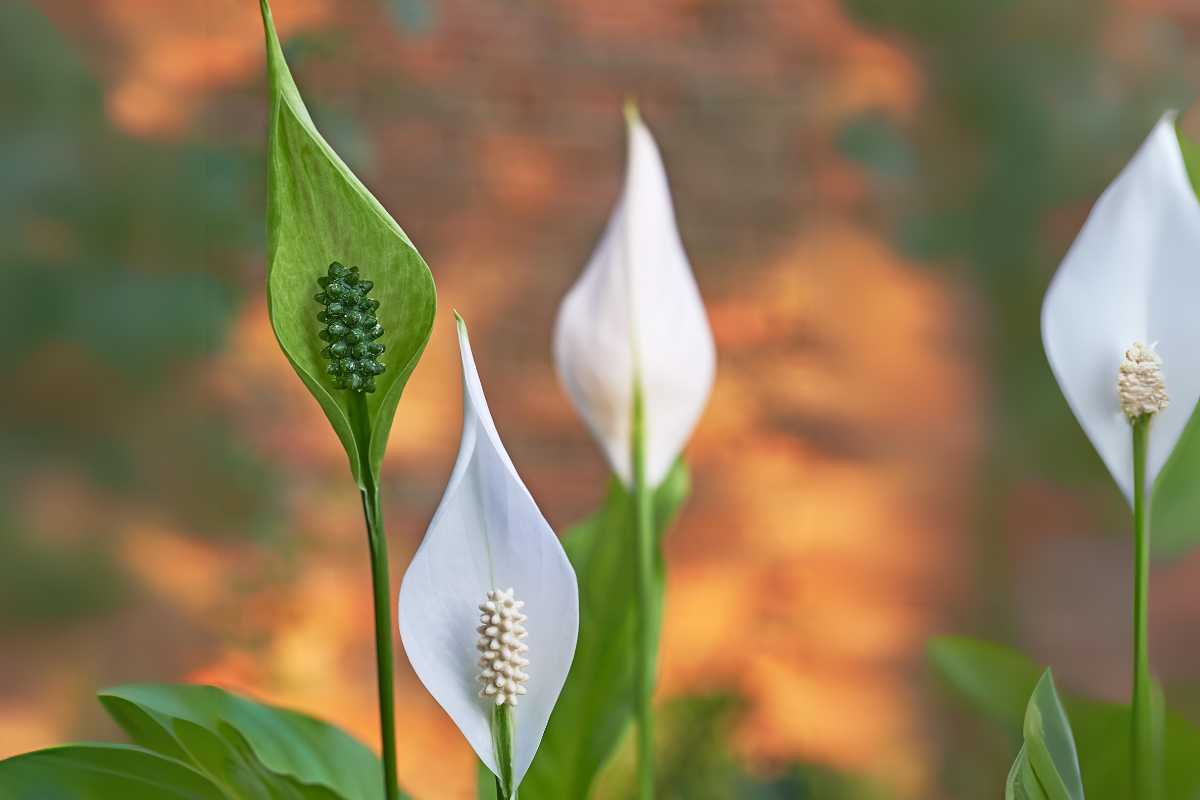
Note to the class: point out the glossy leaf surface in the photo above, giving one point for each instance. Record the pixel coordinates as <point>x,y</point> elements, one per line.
<point>246,744</point>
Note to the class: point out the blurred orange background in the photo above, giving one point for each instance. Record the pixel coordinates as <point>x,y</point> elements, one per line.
<point>872,194</point>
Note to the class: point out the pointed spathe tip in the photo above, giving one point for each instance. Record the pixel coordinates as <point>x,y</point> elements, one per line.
<point>268,19</point>
<point>278,73</point>
<point>632,115</point>
<point>458,320</point>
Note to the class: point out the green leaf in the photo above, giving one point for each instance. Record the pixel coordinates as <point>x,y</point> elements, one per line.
<point>102,772</point>
<point>994,679</point>
<point>1049,744</point>
<point>244,744</point>
<point>596,704</point>
<point>485,783</point>
<point>319,212</point>
<point>1191,157</point>
<point>1175,507</point>
<point>1022,784</point>
<point>988,677</point>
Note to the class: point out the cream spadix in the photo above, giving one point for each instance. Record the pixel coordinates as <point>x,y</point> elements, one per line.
<point>488,533</point>
<point>1131,276</point>
<point>1140,385</point>
<point>635,316</point>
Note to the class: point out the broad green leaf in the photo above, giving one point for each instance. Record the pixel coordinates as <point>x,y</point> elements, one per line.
<point>319,212</point>
<point>1175,511</point>
<point>242,742</point>
<point>596,704</point>
<point>102,772</point>
<point>993,679</point>
<point>1101,729</point>
<point>229,762</point>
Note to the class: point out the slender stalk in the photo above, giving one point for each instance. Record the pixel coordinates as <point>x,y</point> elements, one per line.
<point>1142,734</point>
<point>502,741</point>
<point>647,616</point>
<point>377,543</point>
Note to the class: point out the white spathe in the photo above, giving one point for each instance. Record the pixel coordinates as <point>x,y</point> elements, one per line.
<point>636,314</point>
<point>1132,275</point>
<point>488,534</point>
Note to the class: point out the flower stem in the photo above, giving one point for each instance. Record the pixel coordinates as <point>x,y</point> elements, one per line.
<point>502,741</point>
<point>1142,734</point>
<point>377,543</point>
<point>645,651</point>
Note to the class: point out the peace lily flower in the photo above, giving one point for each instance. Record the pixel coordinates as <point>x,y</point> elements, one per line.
<point>1131,278</point>
<point>1130,282</point>
<point>489,607</point>
<point>635,317</point>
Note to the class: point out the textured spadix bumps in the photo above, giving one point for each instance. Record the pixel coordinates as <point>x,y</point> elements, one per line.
<point>1140,382</point>
<point>487,532</point>
<point>501,648</point>
<point>351,328</point>
<point>1131,276</point>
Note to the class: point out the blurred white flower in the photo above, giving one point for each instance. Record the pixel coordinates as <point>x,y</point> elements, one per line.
<point>487,533</point>
<point>635,316</point>
<point>1132,275</point>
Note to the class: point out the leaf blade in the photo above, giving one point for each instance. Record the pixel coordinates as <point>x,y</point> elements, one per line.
<point>101,772</point>
<point>286,742</point>
<point>596,704</point>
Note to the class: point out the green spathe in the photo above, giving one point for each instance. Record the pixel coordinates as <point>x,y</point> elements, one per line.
<point>318,212</point>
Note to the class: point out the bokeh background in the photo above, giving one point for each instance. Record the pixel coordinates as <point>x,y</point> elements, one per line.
<point>873,194</point>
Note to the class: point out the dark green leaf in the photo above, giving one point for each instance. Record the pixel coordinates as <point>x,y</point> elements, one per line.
<point>1101,729</point>
<point>596,704</point>
<point>246,744</point>
<point>102,772</point>
<point>319,212</point>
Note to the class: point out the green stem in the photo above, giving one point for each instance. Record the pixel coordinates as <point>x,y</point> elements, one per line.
<point>1142,741</point>
<point>646,645</point>
<point>502,741</point>
<point>377,542</point>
